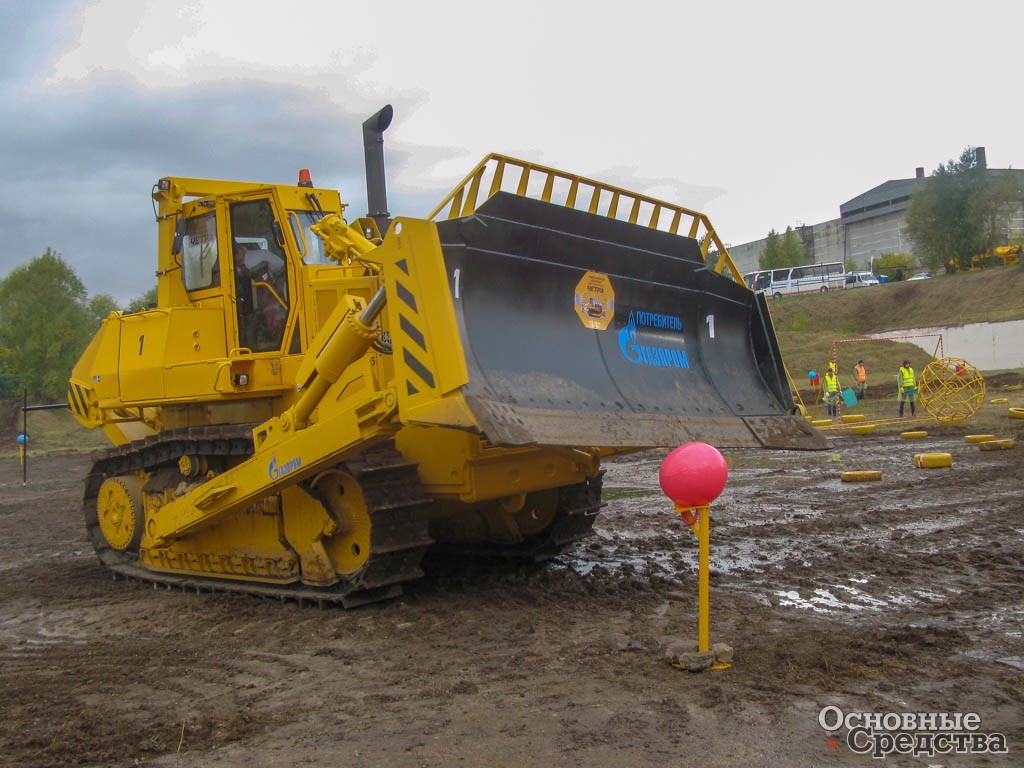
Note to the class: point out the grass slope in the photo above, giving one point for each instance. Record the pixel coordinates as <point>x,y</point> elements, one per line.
<point>807,325</point>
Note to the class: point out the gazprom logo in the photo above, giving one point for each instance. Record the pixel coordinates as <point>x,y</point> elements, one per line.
<point>643,354</point>
<point>275,471</point>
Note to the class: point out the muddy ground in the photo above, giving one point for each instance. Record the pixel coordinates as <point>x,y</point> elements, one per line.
<point>901,596</point>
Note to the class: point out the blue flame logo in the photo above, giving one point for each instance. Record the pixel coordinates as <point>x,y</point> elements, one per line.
<point>642,354</point>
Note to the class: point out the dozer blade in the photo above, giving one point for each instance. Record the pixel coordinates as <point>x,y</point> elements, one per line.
<point>580,330</point>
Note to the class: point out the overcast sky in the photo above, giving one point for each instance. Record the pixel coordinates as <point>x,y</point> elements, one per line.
<point>762,115</point>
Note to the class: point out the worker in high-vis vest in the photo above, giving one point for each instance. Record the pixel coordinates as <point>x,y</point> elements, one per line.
<point>860,374</point>
<point>907,383</point>
<point>831,389</point>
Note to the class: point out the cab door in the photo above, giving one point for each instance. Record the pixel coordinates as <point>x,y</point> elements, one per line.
<point>263,286</point>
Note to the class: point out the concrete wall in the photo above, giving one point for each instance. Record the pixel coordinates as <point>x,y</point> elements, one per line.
<point>871,238</point>
<point>986,346</point>
<point>822,243</point>
<point>1015,225</point>
<point>826,242</point>
<point>745,256</point>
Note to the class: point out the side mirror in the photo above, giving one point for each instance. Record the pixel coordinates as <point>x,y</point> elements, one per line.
<point>179,235</point>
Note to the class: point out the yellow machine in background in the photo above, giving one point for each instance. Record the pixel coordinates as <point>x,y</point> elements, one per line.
<point>312,405</point>
<point>1000,256</point>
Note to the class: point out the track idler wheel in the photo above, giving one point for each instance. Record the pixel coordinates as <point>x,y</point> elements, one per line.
<point>121,512</point>
<point>348,541</point>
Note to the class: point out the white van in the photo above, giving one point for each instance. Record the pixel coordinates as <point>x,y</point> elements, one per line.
<point>860,279</point>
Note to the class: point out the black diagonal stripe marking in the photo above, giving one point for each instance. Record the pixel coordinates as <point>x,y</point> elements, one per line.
<point>80,399</point>
<point>410,388</point>
<point>412,332</point>
<point>403,265</point>
<point>406,295</point>
<point>72,400</point>
<point>419,368</point>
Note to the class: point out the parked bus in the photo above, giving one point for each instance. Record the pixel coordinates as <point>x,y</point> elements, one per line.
<point>809,278</point>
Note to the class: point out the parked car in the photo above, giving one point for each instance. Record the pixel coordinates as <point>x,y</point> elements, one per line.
<point>860,279</point>
<point>919,276</point>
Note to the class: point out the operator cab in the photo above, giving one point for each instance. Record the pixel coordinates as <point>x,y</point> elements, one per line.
<point>247,265</point>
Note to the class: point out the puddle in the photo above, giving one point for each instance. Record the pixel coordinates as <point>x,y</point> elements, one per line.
<point>850,597</point>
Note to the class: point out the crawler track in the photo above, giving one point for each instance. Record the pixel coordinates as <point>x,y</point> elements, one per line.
<point>578,506</point>
<point>393,495</point>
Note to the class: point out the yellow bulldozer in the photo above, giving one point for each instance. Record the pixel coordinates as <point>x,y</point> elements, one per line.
<point>1000,256</point>
<point>314,403</point>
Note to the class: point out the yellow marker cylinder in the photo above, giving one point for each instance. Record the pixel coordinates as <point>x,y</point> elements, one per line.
<point>860,475</point>
<point>996,445</point>
<point>932,460</point>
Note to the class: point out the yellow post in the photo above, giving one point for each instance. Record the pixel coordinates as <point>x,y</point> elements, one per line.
<point>699,520</point>
<point>703,579</point>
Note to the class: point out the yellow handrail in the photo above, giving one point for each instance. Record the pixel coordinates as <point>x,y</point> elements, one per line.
<point>561,188</point>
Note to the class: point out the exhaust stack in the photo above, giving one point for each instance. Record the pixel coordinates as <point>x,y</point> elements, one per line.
<point>376,184</point>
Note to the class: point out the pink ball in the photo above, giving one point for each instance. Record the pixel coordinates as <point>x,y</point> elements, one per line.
<point>693,475</point>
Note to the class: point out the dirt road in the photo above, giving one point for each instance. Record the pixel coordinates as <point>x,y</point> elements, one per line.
<point>899,596</point>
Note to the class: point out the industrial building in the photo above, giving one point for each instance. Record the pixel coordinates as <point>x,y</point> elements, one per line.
<point>869,225</point>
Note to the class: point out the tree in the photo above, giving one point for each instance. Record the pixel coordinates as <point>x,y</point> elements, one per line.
<point>771,254</point>
<point>145,301</point>
<point>45,324</point>
<point>100,305</point>
<point>786,250</point>
<point>958,211</point>
<point>791,251</point>
<point>890,264</point>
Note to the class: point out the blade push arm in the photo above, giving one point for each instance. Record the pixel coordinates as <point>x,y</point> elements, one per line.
<point>288,449</point>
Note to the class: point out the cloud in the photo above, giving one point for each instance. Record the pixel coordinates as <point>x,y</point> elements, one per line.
<point>32,33</point>
<point>81,160</point>
<point>758,118</point>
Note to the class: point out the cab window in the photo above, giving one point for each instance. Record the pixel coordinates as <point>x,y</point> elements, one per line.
<point>310,245</point>
<point>200,267</point>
